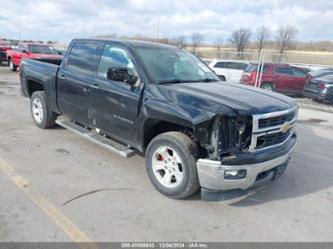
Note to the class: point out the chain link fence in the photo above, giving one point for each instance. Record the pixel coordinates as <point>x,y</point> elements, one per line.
<point>314,60</point>
<point>317,87</point>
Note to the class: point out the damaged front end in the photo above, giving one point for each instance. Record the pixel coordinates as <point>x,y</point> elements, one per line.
<point>238,152</point>
<point>225,137</point>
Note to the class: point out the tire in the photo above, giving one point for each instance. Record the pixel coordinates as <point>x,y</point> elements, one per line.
<point>174,154</point>
<point>41,115</point>
<point>268,86</point>
<point>11,65</point>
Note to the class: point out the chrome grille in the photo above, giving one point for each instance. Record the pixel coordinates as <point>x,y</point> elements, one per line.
<point>271,139</point>
<point>272,129</point>
<point>274,121</point>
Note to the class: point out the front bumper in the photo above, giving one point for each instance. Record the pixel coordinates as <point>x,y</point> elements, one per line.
<point>212,173</point>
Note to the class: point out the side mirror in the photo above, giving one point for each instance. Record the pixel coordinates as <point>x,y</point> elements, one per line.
<point>121,74</point>
<point>222,78</point>
<point>24,51</point>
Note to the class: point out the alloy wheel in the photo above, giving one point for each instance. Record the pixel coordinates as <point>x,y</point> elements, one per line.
<point>167,166</point>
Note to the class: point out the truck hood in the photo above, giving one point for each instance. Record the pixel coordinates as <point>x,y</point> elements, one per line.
<point>244,100</point>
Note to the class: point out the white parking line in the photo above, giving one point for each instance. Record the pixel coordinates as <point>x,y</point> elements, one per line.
<point>66,225</point>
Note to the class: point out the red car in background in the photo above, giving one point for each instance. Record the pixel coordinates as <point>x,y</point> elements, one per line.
<point>30,51</point>
<point>277,77</point>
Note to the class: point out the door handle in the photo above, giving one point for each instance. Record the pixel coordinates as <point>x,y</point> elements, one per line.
<point>95,86</point>
<point>61,76</point>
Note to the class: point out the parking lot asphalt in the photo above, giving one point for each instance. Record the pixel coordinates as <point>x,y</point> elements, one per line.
<point>57,186</point>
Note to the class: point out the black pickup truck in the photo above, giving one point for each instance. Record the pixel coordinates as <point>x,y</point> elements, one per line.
<point>194,130</point>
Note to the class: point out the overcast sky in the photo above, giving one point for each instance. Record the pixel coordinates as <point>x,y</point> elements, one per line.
<point>66,19</point>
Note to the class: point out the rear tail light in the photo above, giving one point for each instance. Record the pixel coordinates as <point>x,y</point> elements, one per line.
<point>322,85</point>
<point>252,78</point>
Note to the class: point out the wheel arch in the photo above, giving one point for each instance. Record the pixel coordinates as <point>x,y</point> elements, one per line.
<point>268,82</point>
<point>34,85</point>
<point>155,127</point>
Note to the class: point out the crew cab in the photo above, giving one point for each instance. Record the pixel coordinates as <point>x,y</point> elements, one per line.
<point>194,130</point>
<point>30,51</point>
<point>277,77</point>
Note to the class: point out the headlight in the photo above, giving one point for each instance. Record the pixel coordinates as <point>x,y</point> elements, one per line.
<point>296,112</point>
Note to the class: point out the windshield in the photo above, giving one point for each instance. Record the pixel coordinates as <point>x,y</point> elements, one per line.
<point>250,68</point>
<point>254,68</point>
<point>42,49</point>
<point>175,66</point>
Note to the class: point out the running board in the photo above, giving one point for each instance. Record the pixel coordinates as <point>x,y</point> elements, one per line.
<point>118,148</point>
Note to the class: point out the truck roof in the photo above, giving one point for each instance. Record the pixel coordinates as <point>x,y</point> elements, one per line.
<point>132,43</point>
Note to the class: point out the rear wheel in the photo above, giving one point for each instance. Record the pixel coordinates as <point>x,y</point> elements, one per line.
<point>42,116</point>
<point>268,86</point>
<point>171,164</point>
<point>11,64</point>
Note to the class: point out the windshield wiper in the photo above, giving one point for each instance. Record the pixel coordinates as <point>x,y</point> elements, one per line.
<point>173,81</point>
<point>187,81</point>
<point>207,80</point>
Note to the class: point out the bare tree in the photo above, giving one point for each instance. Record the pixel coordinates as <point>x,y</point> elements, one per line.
<point>218,43</point>
<point>180,41</point>
<point>164,40</point>
<point>196,39</point>
<point>240,38</point>
<point>262,34</point>
<point>285,36</point>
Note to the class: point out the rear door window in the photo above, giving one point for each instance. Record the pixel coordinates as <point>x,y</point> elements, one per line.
<point>231,65</point>
<point>254,68</point>
<point>238,65</point>
<point>299,73</point>
<point>284,70</point>
<point>84,57</point>
<point>222,65</point>
<point>250,69</point>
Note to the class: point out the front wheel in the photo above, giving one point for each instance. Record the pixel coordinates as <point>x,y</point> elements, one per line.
<point>42,116</point>
<point>11,64</point>
<point>171,164</point>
